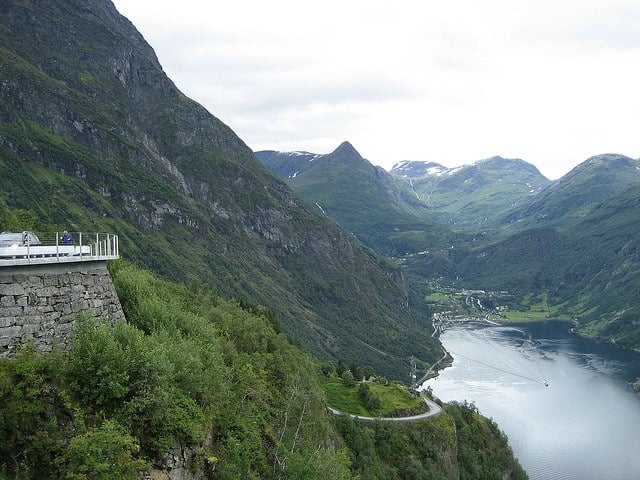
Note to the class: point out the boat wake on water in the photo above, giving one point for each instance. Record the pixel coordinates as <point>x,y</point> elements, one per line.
<point>526,365</point>
<point>525,376</point>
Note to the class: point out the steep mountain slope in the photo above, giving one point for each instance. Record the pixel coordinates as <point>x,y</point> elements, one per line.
<point>287,164</point>
<point>577,193</point>
<point>94,136</point>
<point>473,196</point>
<point>528,261</point>
<point>603,274</point>
<point>361,197</point>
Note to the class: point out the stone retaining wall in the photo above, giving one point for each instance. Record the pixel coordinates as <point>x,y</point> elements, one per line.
<point>40,304</point>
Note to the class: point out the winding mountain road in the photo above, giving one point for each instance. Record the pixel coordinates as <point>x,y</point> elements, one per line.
<point>434,409</point>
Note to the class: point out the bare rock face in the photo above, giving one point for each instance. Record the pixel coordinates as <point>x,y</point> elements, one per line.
<point>184,463</point>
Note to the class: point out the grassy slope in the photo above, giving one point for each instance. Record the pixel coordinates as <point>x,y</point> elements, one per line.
<point>393,397</point>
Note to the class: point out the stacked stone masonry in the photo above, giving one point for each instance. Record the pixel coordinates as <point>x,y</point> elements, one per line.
<point>41,307</point>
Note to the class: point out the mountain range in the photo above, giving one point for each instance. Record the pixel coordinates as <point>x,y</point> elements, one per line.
<point>498,224</point>
<point>201,381</point>
<point>95,137</point>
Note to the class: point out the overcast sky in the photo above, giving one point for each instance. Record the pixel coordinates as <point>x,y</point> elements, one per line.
<point>552,82</point>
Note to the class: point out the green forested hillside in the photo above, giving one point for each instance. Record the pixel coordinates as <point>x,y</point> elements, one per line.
<point>459,444</point>
<point>95,137</point>
<point>603,271</point>
<point>188,367</point>
<point>219,384</point>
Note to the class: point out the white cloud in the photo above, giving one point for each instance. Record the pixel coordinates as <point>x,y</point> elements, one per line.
<point>453,82</point>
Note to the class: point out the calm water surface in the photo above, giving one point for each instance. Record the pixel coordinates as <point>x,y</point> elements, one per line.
<point>564,401</point>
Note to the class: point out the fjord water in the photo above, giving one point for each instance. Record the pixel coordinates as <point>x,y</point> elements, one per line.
<point>565,402</point>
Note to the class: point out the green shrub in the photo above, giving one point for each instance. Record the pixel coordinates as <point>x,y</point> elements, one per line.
<point>106,452</point>
<point>347,378</point>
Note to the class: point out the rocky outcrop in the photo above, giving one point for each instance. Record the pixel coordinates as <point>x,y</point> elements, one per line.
<point>184,463</point>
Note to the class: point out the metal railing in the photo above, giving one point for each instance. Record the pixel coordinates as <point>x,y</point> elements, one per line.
<point>20,248</point>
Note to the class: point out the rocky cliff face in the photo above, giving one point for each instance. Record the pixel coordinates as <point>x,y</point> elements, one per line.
<point>89,120</point>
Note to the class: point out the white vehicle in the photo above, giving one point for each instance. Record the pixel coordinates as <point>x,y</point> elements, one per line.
<point>10,239</point>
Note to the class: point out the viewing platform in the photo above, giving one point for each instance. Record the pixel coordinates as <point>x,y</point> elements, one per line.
<point>47,280</point>
<point>27,248</point>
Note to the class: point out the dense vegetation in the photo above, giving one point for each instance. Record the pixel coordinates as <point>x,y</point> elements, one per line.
<point>189,368</point>
<point>192,370</point>
<point>459,444</point>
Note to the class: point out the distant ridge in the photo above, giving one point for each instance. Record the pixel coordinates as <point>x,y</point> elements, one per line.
<point>381,211</point>
<point>578,193</point>
<point>473,196</point>
<point>286,164</point>
<point>417,169</point>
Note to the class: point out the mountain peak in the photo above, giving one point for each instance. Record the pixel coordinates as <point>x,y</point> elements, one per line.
<point>295,165</point>
<point>580,191</point>
<point>501,163</point>
<point>611,164</point>
<point>610,160</point>
<point>345,149</point>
